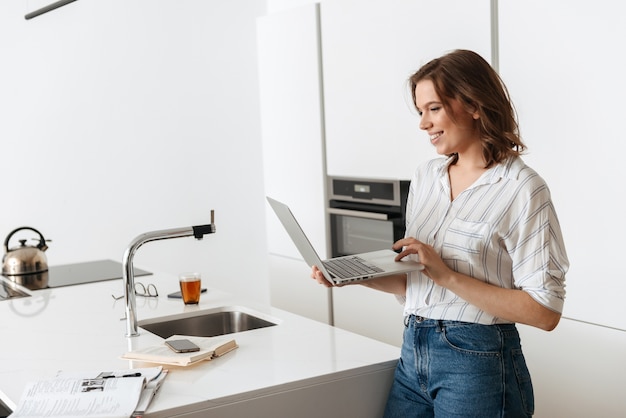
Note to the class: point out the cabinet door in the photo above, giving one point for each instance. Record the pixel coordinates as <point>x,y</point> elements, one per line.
<point>291,120</point>
<point>568,87</point>
<point>293,159</point>
<point>370,48</point>
<point>369,312</point>
<point>291,289</point>
<point>561,363</point>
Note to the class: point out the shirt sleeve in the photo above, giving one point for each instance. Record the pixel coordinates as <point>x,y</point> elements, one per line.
<point>537,248</point>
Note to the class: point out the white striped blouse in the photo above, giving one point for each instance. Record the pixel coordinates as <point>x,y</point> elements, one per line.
<point>502,230</point>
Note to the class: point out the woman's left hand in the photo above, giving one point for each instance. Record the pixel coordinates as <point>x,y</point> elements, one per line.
<point>434,267</point>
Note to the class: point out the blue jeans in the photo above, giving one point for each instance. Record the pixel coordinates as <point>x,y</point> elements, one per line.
<point>459,369</point>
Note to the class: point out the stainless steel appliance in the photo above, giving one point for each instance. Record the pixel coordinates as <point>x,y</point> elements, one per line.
<point>9,290</point>
<point>365,214</point>
<point>26,265</point>
<point>4,410</point>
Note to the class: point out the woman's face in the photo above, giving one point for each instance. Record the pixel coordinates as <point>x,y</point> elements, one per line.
<point>449,133</point>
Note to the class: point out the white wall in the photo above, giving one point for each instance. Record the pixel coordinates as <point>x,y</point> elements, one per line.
<point>120,117</point>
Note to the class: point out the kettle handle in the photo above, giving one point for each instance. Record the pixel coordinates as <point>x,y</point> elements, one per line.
<point>42,242</point>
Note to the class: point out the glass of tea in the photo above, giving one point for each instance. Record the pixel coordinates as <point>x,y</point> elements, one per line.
<point>190,287</point>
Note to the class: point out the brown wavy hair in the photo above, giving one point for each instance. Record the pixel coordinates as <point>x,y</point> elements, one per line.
<point>465,76</point>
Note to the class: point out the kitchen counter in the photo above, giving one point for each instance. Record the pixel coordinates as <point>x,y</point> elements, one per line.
<point>299,365</point>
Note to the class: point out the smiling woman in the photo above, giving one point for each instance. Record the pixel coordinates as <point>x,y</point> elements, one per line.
<point>482,224</point>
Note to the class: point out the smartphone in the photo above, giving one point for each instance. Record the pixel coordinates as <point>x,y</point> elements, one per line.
<point>177,295</point>
<point>182,346</point>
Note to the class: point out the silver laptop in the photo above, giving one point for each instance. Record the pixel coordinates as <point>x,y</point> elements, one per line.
<point>346,269</point>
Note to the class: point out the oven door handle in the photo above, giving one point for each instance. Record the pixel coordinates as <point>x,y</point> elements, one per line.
<point>358,214</point>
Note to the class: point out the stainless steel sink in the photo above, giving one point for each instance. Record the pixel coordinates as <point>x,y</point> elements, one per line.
<point>211,323</point>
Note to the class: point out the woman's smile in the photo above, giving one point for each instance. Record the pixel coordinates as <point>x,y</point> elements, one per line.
<point>434,137</point>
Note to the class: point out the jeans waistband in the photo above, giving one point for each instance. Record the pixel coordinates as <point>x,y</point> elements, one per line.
<point>420,321</point>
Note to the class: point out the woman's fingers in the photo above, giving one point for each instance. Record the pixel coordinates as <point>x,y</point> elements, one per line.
<point>318,276</point>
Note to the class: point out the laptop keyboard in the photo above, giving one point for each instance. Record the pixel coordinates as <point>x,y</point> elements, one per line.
<point>350,267</point>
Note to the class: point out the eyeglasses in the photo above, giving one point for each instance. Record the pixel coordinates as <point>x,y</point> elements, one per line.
<point>149,291</point>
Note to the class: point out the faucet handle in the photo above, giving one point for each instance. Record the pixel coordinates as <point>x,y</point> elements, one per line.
<point>199,231</point>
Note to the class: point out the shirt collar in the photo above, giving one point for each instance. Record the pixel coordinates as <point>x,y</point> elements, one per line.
<point>509,169</point>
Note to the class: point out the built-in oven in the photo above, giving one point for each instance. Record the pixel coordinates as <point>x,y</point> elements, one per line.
<point>365,214</point>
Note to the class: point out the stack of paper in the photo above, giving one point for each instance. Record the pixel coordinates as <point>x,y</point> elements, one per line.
<point>111,394</point>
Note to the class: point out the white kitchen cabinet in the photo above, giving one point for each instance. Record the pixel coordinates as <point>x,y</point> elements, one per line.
<point>578,370</point>
<point>292,289</point>
<point>568,87</point>
<point>361,395</point>
<point>370,313</point>
<point>370,48</point>
<point>293,152</point>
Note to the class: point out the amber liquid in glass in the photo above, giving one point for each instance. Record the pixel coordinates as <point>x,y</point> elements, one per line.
<point>190,290</point>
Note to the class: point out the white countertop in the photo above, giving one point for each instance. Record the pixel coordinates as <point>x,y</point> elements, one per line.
<point>78,328</point>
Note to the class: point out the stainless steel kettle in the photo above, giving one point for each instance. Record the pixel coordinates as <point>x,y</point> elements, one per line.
<point>25,264</point>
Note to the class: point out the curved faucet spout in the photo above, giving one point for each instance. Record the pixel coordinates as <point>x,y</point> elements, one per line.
<point>129,275</point>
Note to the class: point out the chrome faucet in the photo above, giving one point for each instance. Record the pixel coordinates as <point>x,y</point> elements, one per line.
<point>129,276</point>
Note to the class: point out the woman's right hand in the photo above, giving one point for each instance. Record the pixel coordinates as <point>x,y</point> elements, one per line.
<point>395,284</point>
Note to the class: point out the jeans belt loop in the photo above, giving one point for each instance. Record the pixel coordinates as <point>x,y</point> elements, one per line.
<point>418,319</point>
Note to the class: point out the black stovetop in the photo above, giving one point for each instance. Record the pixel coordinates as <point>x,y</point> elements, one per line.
<point>91,271</point>
<point>72,274</point>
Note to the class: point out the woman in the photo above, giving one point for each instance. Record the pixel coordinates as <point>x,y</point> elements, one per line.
<point>483,225</point>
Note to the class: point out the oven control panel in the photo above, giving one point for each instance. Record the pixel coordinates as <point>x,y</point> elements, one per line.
<point>377,191</point>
